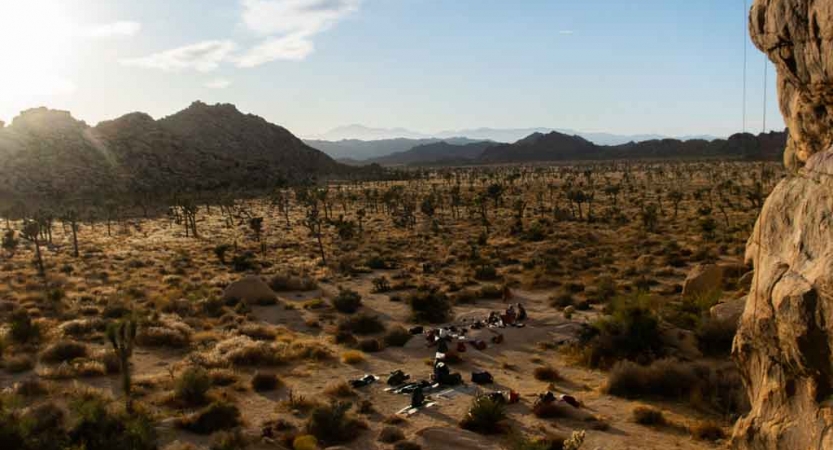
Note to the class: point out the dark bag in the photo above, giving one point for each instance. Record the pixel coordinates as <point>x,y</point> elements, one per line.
<point>482,377</point>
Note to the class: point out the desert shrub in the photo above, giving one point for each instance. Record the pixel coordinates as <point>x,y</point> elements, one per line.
<point>159,336</point>
<point>630,332</point>
<point>243,262</point>
<point>645,415</point>
<point>21,327</point>
<point>486,272</point>
<point>63,351</point>
<point>370,345</point>
<point>362,324</point>
<point>30,387</point>
<point>212,306</point>
<point>544,410</point>
<point>98,427</point>
<point>546,373</point>
<point>215,417</point>
<point>485,416</point>
<point>281,282</point>
<point>259,332</point>
<point>713,388</point>
<point>397,336</point>
<point>340,390</point>
<point>345,338</point>
<point>192,385</point>
<point>429,306</point>
<point>220,252</point>
<point>715,336</point>
<point>707,431</point>
<point>561,300</point>
<point>228,440</point>
<point>265,381</point>
<point>18,363</point>
<point>390,434</point>
<point>331,424</point>
<point>347,301</point>
<point>352,357</point>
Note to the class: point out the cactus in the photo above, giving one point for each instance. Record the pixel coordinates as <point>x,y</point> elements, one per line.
<point>121,336</point>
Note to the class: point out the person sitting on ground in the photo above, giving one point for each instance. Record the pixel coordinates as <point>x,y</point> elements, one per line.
<point>521,312</point>
<point>510,315</point>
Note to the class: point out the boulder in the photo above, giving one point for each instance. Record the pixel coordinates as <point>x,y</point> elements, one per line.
<point>703,279</point>
<point>745,282</point>
<point>250,289</point>
<point>454,438</point>
<point>729,310</point>
<point>783,344</point>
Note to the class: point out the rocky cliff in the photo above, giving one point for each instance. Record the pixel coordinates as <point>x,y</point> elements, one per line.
<point>783,344</point>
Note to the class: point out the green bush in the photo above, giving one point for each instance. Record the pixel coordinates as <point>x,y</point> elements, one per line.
<point>630,332</point>
<point>265,381</point>
<point>22,329</point>
<point>429,306</point>
<point>347,301</point>
<point>485,416</point>
<point>192,385</point>
<point>98,427</point>
<point>645,415</point>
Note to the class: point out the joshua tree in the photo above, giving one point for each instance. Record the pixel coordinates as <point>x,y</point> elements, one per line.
<point>9,242</point>
<point>649,216</point>
<point>313,223</point>
<point>675,197</point>
<point>31,232</point>
<point>121,336</point>
<point>256,225</point>
<point>71,217</point>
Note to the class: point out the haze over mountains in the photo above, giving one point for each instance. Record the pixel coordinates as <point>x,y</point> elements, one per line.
<point>364,133</point>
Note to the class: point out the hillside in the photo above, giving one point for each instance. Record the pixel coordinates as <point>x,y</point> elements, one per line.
<point>438,152</point>
<point>362,150</point>
<point>49,154</point>
<point>561,147</point>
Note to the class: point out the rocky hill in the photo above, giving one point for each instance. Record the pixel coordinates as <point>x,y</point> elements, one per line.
<point>561,147</point>
<point>363,150</point>
<point>435,153</point>
<point>49,154</point>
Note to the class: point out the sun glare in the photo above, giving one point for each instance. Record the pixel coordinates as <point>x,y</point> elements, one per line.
<point>35,47</point>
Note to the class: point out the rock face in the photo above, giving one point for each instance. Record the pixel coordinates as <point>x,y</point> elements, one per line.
<point>702,280</point>
<point>783,344</point>
<point>796,35</point>
<point>251,289</point>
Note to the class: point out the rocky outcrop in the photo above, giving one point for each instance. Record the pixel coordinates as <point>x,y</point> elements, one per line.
<point>703,280</point>
<point>250,289</point>
<point>783,344</point>
<point>796,35</point>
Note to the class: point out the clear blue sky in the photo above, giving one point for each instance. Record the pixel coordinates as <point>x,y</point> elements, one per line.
<point>651,66</point>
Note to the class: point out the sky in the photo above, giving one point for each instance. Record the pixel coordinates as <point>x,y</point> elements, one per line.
<point>668,67</point>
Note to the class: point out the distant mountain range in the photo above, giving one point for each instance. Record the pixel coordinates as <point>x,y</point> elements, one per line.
<point>358,150</point>
<point>362,133</point>
<point>554,146</point>
<point>48,154</point>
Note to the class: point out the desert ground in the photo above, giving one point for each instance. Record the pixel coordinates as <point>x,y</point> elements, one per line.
<point>248,326</point>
